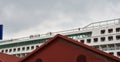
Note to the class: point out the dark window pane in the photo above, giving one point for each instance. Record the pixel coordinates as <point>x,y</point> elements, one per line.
<point>102,31</point>
<point>110,30</point>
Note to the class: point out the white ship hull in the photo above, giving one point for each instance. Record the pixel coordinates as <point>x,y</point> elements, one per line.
<point>104,35</point>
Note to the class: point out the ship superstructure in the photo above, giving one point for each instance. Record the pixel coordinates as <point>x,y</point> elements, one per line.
<point>103,35</point>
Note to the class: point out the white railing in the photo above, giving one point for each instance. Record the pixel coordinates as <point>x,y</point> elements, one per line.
<point>50,34</point>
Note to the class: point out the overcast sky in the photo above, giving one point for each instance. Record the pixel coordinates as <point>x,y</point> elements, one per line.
<point>27,17</point>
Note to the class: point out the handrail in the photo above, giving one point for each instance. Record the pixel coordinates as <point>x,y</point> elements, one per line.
<point>49,34</point>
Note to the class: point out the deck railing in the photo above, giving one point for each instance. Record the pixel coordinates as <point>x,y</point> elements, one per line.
<point>50,34</point>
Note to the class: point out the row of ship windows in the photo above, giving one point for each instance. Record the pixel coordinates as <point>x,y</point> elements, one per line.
<point>112,53</point>
<point>102,39</point>
<point>80,35</point>
<point>108,47</point>
<point>110,30</point>
<point>20,55</point>
<point>19,49</point>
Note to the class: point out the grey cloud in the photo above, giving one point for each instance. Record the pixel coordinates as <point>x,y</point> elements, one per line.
<point>23,15</point>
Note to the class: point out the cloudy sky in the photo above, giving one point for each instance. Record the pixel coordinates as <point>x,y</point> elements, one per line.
<point>27,17</point>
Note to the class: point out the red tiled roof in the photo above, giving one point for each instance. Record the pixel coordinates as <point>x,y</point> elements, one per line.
<point>8,58</point>
<point>74,42</point>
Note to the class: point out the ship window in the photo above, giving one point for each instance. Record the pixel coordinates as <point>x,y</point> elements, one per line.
<point>38,60</point>
<point>81,58</point>
<point>6,50</point>
<point>111,53</point>
<point>18,55</point>
<point>22,55</point>
<point>14,49</point>
<point>32,47</point>
<point>102,31</point>
<point>10,50</point>
<point>82,41</point>
<point>23,43</point>
<point>2,51</point>
<point>118,53</point>
<point>118,37</point>
<point>118,46</point>
<point>95,39</point>
<point>96,47</point>
<point>18,49</point>
<point>103,47</point>
<point>110,38</point>
<point>28,48</point>
<point>110,30</point>
<point>102,38</point>
<point>117,29</point>
<point>23,48</point>
<point>88,40</point>
<point>111,46</point>
<point>37,46</point>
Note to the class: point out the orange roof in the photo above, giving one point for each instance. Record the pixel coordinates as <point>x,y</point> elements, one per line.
<point>8,58</point>
<point>74,42</point>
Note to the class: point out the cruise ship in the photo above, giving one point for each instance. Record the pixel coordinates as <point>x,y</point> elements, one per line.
<point>103,35</point>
